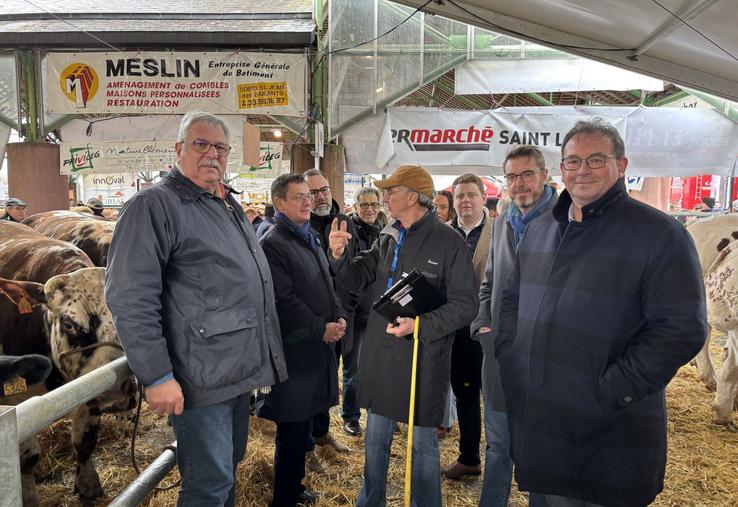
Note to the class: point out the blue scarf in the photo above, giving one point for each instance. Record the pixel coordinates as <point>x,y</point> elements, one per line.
<point>301,231</point>
<point>519,222</point>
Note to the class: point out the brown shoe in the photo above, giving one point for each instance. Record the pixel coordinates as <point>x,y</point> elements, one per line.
<point>328,439</point>
<point>459,469</point>
<point>312,463</point>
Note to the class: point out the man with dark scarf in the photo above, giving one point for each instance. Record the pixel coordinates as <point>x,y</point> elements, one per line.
<point>526,175</point>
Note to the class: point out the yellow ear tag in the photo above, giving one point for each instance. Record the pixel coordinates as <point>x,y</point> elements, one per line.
<point>24,306</point>
<point>15,386</point>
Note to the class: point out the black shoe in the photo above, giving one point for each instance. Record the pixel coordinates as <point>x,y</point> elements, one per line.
<point>307,498</point>
<point>352,428</point>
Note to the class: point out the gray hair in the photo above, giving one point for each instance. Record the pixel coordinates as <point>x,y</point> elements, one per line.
<point>597,126</point>
<point>193,117</point>
<point>314,172</point>
<point>425,201</point>
<point>282,183</point>
<point>366,191</point>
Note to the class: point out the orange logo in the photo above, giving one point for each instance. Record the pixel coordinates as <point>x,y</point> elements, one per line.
<point>79,83</point>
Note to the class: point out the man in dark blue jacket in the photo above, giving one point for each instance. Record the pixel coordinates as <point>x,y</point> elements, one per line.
<point>604,305</point>
<point>311,320</point>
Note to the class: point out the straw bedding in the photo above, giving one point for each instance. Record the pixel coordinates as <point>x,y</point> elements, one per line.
<point>702,467</point>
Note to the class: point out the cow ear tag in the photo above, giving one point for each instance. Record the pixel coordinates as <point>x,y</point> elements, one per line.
<point>24,306</point>
<point>15,386</point>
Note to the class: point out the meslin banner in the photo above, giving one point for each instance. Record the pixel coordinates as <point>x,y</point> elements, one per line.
<point>160,82</point>
<point>105,157</point>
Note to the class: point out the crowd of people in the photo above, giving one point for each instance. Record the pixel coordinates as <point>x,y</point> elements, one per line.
<point>568,313</point>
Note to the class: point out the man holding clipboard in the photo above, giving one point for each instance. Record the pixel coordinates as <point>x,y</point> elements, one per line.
<point>414,240</point>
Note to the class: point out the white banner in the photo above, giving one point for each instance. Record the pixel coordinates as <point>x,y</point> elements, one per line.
<point>159,82</point>
<point>659,141</point>
<point>104,157</point>
<point>546,75</point>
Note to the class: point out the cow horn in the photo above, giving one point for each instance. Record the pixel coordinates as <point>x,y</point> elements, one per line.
<point>54,284</point>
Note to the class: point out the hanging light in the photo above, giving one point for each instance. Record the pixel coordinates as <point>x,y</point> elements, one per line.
<point>277,133</point>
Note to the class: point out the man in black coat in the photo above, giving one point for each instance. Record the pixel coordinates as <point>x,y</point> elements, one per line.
<point>311,321</point>
<point>324,211</point>
<point>414,240</point>
<point>605,303</point>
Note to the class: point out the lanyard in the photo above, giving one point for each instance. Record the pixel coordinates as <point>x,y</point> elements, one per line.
<point>395,257</point>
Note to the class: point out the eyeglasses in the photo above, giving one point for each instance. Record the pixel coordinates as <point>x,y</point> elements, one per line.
<point>526,176</point>
<point>596,161</point>
<point>204,147</point>
<point>394,190</point>
<point>322,190</point>
<point>301,198</point>
<point>367,205</point>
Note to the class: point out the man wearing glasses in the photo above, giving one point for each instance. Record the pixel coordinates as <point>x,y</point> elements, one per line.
<point>526,174</point>
<point>192,299</point>
<point>324,210</point>
<point>605,303</point>
<point>311,322</point>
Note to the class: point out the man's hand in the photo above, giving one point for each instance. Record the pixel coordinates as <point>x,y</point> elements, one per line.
<point>402,326</point>
<point>165,398</point>
<point>338,238</point>
<point>334,331</point>
<point>484,329</point>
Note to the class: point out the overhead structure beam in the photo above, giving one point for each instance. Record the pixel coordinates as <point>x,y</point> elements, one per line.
<point>719,104</point>
<point>539,99</point>
<point>687,12</point>
<point>8,122</point>
<point>670,99</point>
<point>574,44</point>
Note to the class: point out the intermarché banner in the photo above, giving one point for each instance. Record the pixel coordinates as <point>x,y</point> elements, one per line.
<point>159,82</point>
<point>101,157</point>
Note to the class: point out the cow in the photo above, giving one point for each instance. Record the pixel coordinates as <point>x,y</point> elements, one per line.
<point>721,286</point>
<point>711,235</point>
<point>66,319</point>
<point>30,369</point>
<point>29,255</point>
<point>89,233</point>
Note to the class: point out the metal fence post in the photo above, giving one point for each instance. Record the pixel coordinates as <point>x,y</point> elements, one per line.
<point>10,484</point>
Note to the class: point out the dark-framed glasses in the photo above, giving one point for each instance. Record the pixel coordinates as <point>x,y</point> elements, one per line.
<point>526,176</point>
<point>204,147</point>
<point>322,190</point>
<point>366,205</point>
<point>596,161</point>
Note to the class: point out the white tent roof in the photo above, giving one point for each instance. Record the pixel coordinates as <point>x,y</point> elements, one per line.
<point>688,42</point>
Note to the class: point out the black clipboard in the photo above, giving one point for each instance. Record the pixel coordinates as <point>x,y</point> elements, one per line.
<point>410,296</point>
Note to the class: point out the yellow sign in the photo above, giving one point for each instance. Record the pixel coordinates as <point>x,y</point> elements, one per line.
<point>15,386</point>
<point>79,83</point>
<point>252,95</point>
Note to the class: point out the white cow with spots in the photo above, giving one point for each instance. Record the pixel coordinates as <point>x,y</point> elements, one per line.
<point>711,235</point>
<point>721,286</point>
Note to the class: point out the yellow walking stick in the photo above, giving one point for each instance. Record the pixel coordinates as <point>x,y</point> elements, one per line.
<point>411,417</point>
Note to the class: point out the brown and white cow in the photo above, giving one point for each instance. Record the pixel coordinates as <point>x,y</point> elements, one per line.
<point>711,235</point>
<point>721,286</point>
<point>89,233</point>
<point>66,313</point>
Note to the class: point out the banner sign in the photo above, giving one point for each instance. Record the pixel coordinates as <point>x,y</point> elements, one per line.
<point>659,141</point>
<point>546,75</point>
<point>102,157</point>
<point>270,162</point>
<point>160,82</point>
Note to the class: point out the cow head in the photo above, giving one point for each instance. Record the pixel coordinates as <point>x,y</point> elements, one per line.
<point>78,317</point>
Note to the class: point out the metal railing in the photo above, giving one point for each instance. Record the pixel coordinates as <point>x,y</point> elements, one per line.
<point>21,422</point>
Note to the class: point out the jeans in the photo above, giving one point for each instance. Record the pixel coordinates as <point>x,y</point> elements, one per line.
<point>497,462</point>
<point>426,475</point>
<point>466,381</point>
<point>289,462</point>
<point>350,407</point>
<point>211,442</point>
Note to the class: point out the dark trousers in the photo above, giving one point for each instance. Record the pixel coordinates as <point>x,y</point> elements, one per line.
<point>319,426</point>
<point>350,408</point>
<point>289,462</point>
<point>466,382</point>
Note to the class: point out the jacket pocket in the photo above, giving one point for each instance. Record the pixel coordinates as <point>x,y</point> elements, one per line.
<point>598,370</point>
<point>225,348</point>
